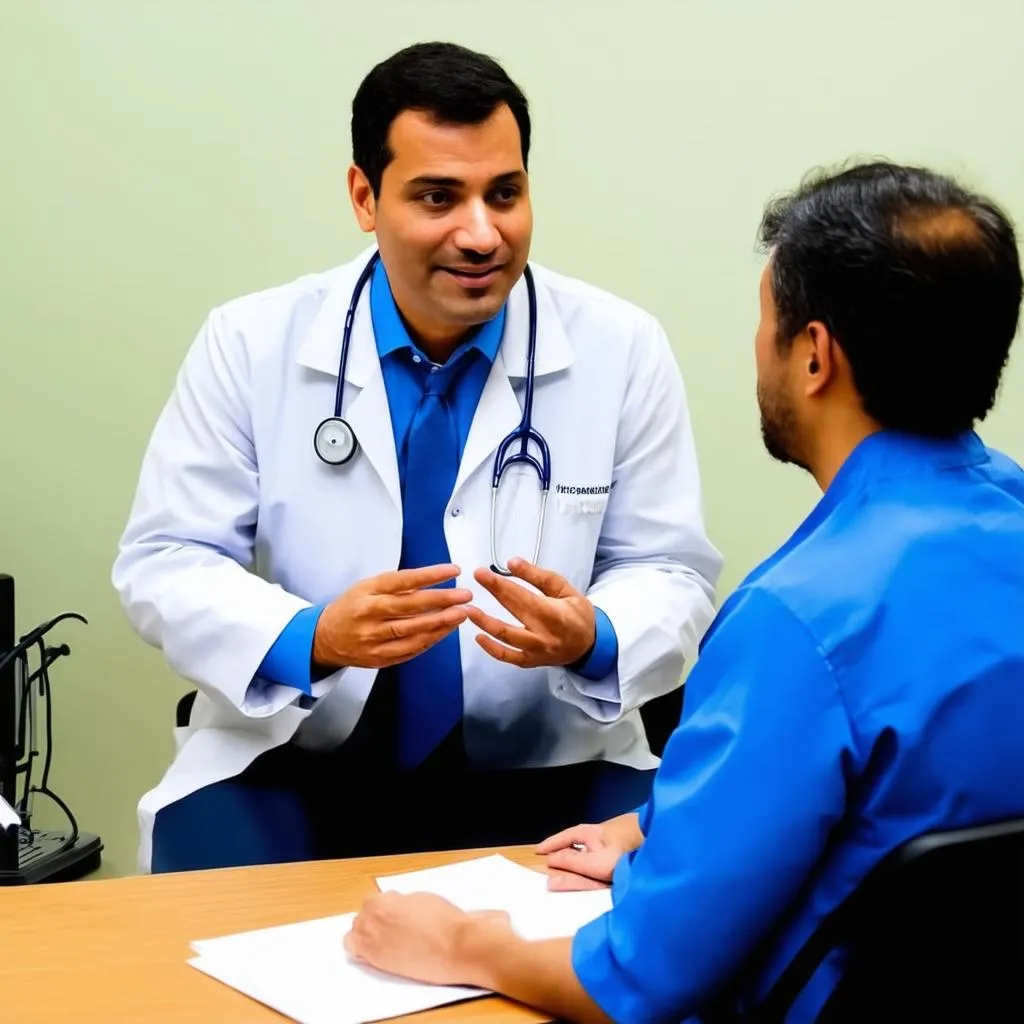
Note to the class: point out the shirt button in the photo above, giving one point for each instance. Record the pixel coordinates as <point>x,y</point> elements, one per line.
<point>456,511</point>
<point>416,359</point>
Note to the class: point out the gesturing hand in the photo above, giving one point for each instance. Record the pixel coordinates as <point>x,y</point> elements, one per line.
<point>558,624</point>
<point>390,618</point>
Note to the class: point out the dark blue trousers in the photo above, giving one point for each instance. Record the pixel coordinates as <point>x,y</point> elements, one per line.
<point>292,804</point>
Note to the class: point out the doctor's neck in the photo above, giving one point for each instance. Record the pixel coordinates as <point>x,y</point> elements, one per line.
<point>440,345</point>
<point>437,338</point>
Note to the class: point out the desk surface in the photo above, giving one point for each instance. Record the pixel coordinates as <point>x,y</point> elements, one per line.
<point>114,950</point>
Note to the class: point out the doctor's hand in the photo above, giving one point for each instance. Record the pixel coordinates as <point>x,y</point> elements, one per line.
<point>584,856</point>
<point>558,624</point>
<point>388,619</point>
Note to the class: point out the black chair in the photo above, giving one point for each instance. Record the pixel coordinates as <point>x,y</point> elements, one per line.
<point>183,709</point>
<point>935,933</point>
<point>660,717</point>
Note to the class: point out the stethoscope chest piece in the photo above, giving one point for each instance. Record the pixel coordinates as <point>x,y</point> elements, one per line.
<point>335,441</point>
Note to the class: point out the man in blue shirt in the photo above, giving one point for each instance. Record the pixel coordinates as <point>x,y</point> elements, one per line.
<point>863,686</point>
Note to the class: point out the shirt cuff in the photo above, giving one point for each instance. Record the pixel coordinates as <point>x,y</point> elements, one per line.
<point>290,660</point>
<point>602,659</point>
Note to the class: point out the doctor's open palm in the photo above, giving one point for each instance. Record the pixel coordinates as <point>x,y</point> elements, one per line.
<point>555,623</point>
<point>390,618</point>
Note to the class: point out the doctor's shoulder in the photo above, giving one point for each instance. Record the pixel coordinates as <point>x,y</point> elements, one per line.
<point>594,314</point>
<point>268,321</point>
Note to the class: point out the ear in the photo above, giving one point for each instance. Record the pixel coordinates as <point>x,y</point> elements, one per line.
<point>364,202</point>
<point>818,358</point>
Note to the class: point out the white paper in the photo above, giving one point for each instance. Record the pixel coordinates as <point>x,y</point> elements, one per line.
<point>497,883</point>
<point>472,884</point>
<point>302,971</point>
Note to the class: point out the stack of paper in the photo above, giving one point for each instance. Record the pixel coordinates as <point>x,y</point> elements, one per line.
<point>301,970</point>
<point>497,883</point>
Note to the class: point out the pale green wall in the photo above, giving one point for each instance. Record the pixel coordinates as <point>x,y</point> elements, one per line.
<point>158,158</point>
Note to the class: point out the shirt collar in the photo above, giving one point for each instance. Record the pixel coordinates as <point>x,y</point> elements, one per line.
<point>391,335</point>
<point>887,455</point>
<point>893,453</point>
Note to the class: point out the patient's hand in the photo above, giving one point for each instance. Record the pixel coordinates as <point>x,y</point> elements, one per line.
<point>591,867</point>
<point>421,936</point>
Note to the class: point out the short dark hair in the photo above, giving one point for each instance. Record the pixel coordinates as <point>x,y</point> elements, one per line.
<point>448,81</point>
<point>917,279</point>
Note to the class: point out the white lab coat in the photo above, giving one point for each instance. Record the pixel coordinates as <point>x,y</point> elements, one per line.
<point>237,525</point>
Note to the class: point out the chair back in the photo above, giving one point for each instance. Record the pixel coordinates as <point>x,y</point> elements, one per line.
<point>935,933</point>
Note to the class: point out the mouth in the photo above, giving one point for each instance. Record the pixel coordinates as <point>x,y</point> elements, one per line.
<point>476,277</point>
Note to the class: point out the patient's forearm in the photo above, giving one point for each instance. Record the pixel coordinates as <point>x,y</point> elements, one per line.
<point>537,974</point>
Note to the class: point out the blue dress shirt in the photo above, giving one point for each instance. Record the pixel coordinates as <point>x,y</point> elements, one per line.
<point>863,686</point>
<point>405,368</point>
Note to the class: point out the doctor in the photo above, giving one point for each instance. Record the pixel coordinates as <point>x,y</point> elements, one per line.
<point>387,658</point>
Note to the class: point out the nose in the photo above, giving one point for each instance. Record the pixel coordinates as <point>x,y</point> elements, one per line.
<point>477,231</point>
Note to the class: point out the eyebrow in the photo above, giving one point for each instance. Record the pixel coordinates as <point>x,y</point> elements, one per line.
<point>441,182</point>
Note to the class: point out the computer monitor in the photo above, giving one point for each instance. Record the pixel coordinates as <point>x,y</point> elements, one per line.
<point>9,701</point>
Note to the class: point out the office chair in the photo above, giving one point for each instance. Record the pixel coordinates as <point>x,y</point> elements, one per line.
<point>183,709</point>
<point>935,933</point>
<point>660,717</point>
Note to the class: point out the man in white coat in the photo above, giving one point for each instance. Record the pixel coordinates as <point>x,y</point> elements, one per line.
<point>378,667</point>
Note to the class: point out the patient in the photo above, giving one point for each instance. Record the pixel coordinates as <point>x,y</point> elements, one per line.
<point>862,686</point>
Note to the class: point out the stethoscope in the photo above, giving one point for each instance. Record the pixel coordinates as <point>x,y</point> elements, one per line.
<point>335,441</point>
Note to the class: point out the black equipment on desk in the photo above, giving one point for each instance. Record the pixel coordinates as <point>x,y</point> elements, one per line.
<point>29,855</point>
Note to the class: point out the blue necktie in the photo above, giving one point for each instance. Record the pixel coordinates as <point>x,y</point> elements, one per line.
<point>429,686</point>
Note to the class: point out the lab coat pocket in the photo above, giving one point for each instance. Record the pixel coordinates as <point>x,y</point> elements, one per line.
<point>581,505</point>
<point>575,516</point>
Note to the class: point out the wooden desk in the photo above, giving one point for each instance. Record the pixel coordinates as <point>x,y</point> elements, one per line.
<point>114,950</point>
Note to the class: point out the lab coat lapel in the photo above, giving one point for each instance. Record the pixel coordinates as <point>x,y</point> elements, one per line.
<point>497,414</point>
<point>365,401</point>
<point>370,416</point>
<point>500,411</point>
